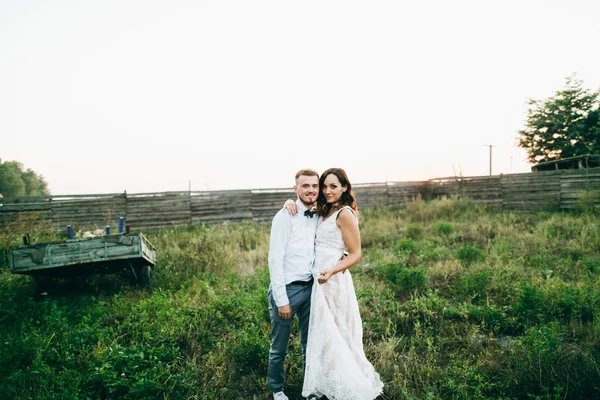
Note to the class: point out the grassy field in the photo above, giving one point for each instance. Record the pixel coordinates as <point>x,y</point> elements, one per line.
<point>458,302</point>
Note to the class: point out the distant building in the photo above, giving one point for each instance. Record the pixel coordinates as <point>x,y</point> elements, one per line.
<point>585,161</point>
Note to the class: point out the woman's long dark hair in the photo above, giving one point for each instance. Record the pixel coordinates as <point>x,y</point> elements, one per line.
<point>347,199</point>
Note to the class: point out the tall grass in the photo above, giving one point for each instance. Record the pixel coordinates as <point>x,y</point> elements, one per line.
<point>457,301</point>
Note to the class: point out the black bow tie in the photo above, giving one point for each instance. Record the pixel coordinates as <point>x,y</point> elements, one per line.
<point>309,213</point>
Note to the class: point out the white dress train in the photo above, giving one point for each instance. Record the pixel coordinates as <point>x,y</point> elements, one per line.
<point>336,365</point>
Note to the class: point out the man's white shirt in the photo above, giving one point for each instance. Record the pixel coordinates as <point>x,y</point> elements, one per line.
<point>291,250</point>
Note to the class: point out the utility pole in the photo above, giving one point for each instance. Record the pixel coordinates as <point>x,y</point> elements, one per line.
<point>490,146</point>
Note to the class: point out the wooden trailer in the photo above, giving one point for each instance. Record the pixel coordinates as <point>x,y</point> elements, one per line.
<point>110,253</point>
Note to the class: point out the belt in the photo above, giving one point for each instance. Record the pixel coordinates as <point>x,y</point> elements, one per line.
<point>301,283</point>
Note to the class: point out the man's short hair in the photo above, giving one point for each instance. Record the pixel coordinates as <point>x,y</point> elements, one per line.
<point>307,172</point>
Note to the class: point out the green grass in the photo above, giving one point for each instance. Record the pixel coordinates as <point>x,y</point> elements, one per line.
<point>458,302</point>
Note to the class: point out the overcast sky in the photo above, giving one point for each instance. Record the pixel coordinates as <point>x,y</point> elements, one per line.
<point>106,96</point>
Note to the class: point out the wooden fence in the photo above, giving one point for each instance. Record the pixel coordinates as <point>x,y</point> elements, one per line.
<point>527,191</point>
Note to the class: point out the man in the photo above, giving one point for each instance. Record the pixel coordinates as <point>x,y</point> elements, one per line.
<point>291,257</point>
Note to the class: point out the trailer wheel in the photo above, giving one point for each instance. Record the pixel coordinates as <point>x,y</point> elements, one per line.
<point>42,285</point>
<point>143,274</point>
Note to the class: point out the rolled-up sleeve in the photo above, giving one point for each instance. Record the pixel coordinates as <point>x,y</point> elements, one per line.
<point>280,234</point>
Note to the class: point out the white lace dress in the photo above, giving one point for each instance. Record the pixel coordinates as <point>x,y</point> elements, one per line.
<point>336,365</point>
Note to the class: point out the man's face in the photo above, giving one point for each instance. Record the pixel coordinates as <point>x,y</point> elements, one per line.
<point>307,189</point>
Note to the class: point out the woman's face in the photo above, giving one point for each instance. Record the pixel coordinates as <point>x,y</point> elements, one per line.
<point>332,188</point>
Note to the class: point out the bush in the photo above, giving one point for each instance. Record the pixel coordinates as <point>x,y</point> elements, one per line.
<point>548,366</point>
<point>557,301</point>
<point>492,317</point>
<point>405,246</point>
<point>469,255</point>
<point>588,202</point>
<point>250,349</point>
<point>402,279</point>
<point>472,286</point>
<point>444,228</point>
<point>591,263</point>
<point>414,231</point>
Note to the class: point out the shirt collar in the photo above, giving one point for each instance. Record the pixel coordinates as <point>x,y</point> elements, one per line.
<point>301,206</point>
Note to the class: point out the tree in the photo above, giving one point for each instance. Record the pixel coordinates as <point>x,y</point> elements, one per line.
<point>14,181</point>
<point>562,126</point>
<point>35,185</point>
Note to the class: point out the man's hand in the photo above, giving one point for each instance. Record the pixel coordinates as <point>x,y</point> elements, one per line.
<point>341,258</point>
<point>285,312</point>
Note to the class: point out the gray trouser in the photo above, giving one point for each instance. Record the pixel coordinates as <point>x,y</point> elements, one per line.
<point>299,297</point>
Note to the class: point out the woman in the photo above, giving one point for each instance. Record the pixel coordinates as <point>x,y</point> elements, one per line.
<point>336,365</point>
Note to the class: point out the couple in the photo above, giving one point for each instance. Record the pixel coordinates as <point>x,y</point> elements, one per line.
<point>309,279</point>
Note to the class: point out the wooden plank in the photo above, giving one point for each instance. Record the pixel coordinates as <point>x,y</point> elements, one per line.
<point>89,210</point>
<point>483,191</point>
<point>268,203</point>
<point>8,208</point>
<point>584,171</point>
<point>222,218</point>
<point>142,226</point>
<point>570,195</point>
<point>90,196</point>
<point>25,200</point>
<point>157,194</point>
<point>143,218</point>
<point>511,185</point>
<point>372,195</point>
<point>156,199</point>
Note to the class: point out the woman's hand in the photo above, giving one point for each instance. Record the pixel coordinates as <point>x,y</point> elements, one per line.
<point>325,275</point>
<point>291,207</point>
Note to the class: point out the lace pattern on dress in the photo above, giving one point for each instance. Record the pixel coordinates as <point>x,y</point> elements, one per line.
<point>336,365</point>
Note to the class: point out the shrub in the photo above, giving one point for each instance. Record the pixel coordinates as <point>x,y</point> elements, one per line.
<point>541,260</point>
<point>403,279</point>
<point>250,350</point>
<point>588,202</point>
<point>468,255</point>
<point>531,304</point>
<point>557,301</point>
<point>437,253</point>
<point>472,285</point>
<point>591,263</point>
<point>547,366</point>
<point>492,317</point>
<point>414,231</point>
<point>444,228</point>
<point>405,246</point>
